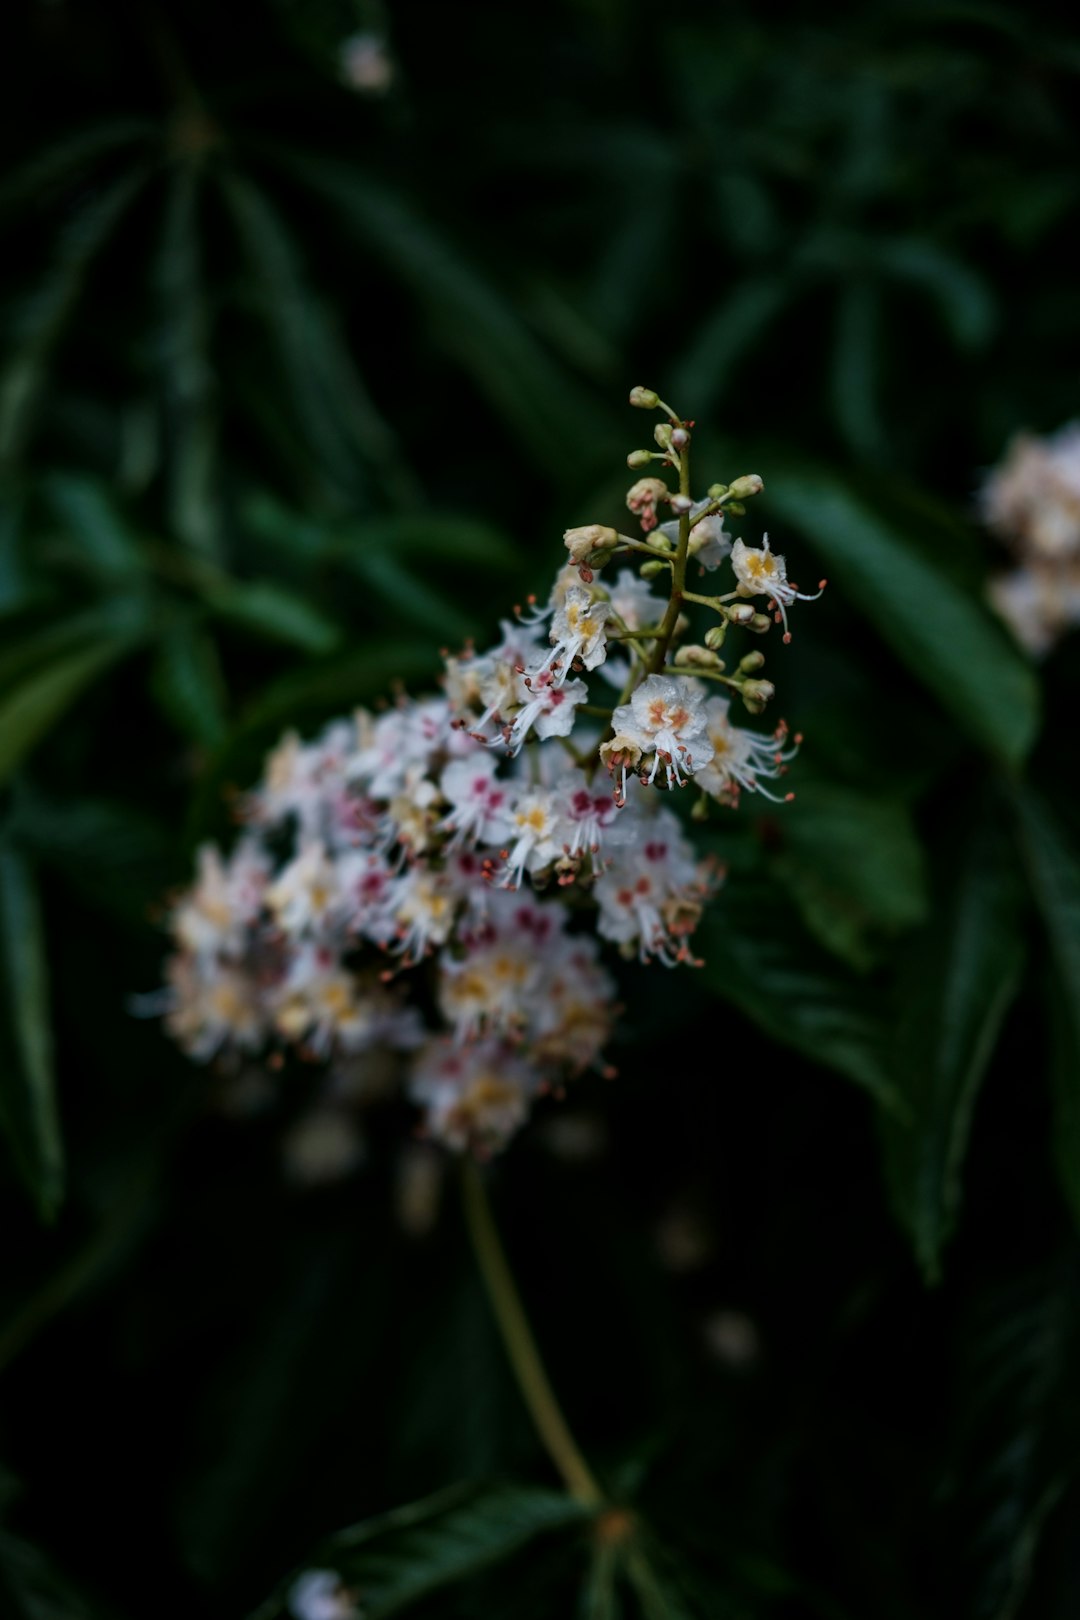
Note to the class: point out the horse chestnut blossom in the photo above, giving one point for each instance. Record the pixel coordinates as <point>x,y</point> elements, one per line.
<point>422,898</point>
<point>1032,501</point>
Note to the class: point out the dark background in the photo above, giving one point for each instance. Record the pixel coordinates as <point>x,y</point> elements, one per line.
<point>301,383</point>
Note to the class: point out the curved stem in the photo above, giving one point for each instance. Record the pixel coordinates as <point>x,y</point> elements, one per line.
<point>678,572</point>
<point>520,1345</point>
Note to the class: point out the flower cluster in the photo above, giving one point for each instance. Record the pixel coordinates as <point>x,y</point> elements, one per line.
<point>418,896</point>
<point>1032,501</point>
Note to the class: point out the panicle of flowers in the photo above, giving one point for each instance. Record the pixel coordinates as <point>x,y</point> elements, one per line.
<point>1031,500</point>
<point>417,901</point>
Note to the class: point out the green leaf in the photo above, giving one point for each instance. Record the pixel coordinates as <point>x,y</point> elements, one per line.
<point>186,364</point>
<point>65,158</point>
<point>30,709</point>
<point>660,1600</point>
<point>397,1559</point>
<point>948,639</point>
<point>275,613</point>
<point>759,958</point>
<point>963,298</point>
<point>27,1090</point>
<point>956,986</point>
<point>704,373</point>
<point>188,683</point>
<point>600,1594</point>
<point>114,854</point>
<point>339,419</point>
<point>1053,865</point>
<point>43,318</point>
<point>93,520</point>
<point>545,405</point>
<point>853,865</point>
<point>856,369</point>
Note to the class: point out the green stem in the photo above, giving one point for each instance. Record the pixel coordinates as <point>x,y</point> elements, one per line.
<point>678,572</point>
<point>520,1345</point>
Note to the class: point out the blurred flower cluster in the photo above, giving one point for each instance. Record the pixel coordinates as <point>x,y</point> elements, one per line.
<point>419,894</point>
<point>1032,501</point>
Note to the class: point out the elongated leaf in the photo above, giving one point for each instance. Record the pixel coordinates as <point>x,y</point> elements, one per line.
<point>600,1594</point>
<point>958,982</point>
<point>964,299</point>
<point>759,958</point>
<point>704,372</point>
<point>29,709</point>
<point>98,528</point>
<point>340,420</point>
<point>113,854</point>
<point>275,613</point>
<point>394,1561</point>
<point>474,322</point>
<point>855,369</point>
<point>65,158</point>
<point>1054,868</point>
<point>54,298</point>
<point>188,683</point>
<point>854,867</point>
<point>27,1090</point>
<point>186,364</point>
<point>945,637</point>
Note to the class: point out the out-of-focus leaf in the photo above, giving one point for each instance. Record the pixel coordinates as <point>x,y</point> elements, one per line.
<point>66,157</point>
<point>115,855</point>
<point>474,323</point>
<point>657,1592</point>
<point>854,867</point>
<point>273,612</point>
<point>101,533</point>
<point>341,422</point>
<point>963,297</point>
<point>406,594</point>
<point>15,586</point>
<point>1054,868</point>
<point>600,1594</point>
<point>27,1088</point>
<point>43,317</point>
<point>957,983</point>
<point>186,364</point>
<point>187,681</point>
<point>123,618</point>
<point>947,639</point>
<point>704,372</point>
<point>856,367</point>
<point>29,709</point>
<point>340,683</point>
<point>758,957</point>
<point>403,1556</point>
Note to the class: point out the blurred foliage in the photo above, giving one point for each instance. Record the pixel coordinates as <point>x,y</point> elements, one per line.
<point>301,381</point>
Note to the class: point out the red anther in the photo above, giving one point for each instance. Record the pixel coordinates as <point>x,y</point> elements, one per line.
<point>609,1072</point>
<point>777,618</point>
<point>821,584</point>
<point>444,652</point>
<point>275,1061</point>
<point>587,575</point>
<point>787,633</point>
<point>798,739</point>
<point>788,797</point>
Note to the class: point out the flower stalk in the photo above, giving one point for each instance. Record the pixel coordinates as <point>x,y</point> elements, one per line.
<point>521,1348</point>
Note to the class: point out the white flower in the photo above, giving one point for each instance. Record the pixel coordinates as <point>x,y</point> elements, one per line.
<point>761,572</point>
<point>652,892</point>
<point>740,758</point>
<point>709,541</point>
<point>305,897</point>
<point>587,814</point>
<point>1033,497</point>
<point>536,828</point>
<point>665,717</point>
<point>423,904</point>
<point>480,805</point>
<point>547,707</point>
<point>210,1010</point>
<point>473,1096</point>
<point>319,1004</point>
<point>407,735</point>
<point>320,1594</point>
<point>577,631</point>
<point>216,914</point>
<point>1038,602</point>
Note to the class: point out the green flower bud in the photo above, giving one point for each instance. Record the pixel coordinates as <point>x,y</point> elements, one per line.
<point>715,637</point>
<point>749,484</point>
<point>752,661</point>
<point>644,399</point>
<point>716,492</point>
<point>639,458</point>
<point>662,434</point>
<point>650,569</point>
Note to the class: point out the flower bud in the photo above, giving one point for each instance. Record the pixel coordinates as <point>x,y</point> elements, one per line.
<point>584,543</point>
<point>736,508</point>
<point>741,613</point>
<point>715,637</point>
<point>639,458</point>
<point>644,398</point>
<point>759,624</point>
<point>650,569</point>
<point>694,657</point>
<point>662,434</point>
<point>716,492</point>
<point>752,661</point>
<point>679,438</point>
<point>757,692</point>
<point>743,488</point>
<point>681,504</point>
